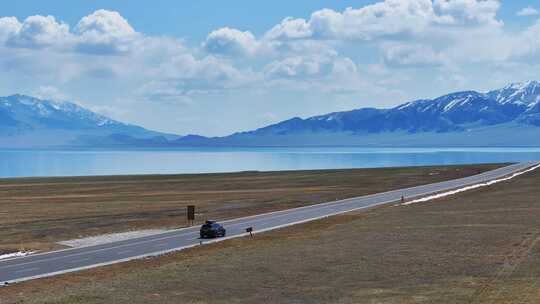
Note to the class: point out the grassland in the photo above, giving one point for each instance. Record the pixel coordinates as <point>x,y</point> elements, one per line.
<point>481,246</point>
<point>37,212</point>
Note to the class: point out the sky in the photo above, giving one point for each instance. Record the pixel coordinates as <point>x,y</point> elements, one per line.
<point>218,67</point>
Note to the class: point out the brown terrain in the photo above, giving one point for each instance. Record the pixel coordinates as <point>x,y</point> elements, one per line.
<point>37,212</point>
<point>481,246</point>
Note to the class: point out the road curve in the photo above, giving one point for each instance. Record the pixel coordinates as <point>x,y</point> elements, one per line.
<point>69,260</point>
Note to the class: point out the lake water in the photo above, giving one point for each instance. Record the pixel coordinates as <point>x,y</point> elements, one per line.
<point>20,163</point>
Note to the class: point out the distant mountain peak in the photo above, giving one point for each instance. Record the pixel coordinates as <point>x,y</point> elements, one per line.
<point>35,119</point>
<point>452,112</point>
<point>521,93</point>
<point>57,110</point>
<point>522,85</point>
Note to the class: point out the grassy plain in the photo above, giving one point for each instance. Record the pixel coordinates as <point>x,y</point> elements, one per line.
<point>37,212</point>
<point>481,246</point>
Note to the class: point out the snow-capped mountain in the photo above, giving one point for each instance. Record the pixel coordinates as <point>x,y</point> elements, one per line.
<point>525,93</point>
<point>508,116</point>
<point>31,113</point>
<point>27,121</point>
<point>454,112</point>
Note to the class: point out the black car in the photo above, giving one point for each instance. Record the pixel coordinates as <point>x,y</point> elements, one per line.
<point>212,229</point>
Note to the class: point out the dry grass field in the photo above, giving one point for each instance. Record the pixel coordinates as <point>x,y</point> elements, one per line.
<point>482,246</point>
<point>37,212</point>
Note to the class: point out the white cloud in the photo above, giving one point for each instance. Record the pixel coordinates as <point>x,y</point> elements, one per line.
<point>9,26</point>
<point>104,46</point>
<point>298,67</point>
<point>104,32</point>
<point>36,32</point>
<point>290,28</point>
<point>528,11</point>
<point>312,72</point>
<point>231,41</point>
<point>391,17</point>
<point>527,43</point>
<point>469,12</point>
<point>377,52</point>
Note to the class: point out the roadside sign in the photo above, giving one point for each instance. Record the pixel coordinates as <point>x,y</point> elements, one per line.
<point>191,214</point>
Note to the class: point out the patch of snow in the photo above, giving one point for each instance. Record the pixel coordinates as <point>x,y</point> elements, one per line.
<point>452,104</point>
<point>15,254</point>
<point>467,188</point>
<point>404,106</point>
<point>42,109</point>
<point>109,238</point>
<point>427,108</point>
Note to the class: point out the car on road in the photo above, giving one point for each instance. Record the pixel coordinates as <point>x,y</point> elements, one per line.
<point>211,229</point>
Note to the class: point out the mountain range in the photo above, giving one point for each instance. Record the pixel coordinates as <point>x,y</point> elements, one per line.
<point>505,117</point>
<point>27,122</point>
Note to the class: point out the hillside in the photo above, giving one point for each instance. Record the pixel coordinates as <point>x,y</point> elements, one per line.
<point>508,116</point>
<point>31,122</point>
<point>505,117</point>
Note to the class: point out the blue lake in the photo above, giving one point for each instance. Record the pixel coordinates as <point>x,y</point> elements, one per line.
<point>21,163</point>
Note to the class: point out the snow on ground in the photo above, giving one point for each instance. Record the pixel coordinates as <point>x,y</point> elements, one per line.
<point>15,254</point>
<point>452,192</point>
<point>109,238</point>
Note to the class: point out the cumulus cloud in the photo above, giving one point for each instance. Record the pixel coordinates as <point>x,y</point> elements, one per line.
<point>104,32</point>
<point>326,73</point>
<point>103,46</point>
<point>528,11</point>
<point>36,32</point>
<point>469,12</point>
<point>290,28</point>
<point>391,17</point>
<point>231,42</point>
<point>9,26</point>
<point>330,51</point>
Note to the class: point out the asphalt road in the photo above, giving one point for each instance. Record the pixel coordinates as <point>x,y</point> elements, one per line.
<point>58,262</point>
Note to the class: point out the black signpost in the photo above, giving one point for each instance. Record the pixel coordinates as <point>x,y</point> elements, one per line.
<point>191,214</point>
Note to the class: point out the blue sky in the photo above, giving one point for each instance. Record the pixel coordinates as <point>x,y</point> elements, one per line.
<point>216,67</point>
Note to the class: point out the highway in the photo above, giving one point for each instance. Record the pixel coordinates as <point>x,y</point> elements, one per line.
<point>69,260</point>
